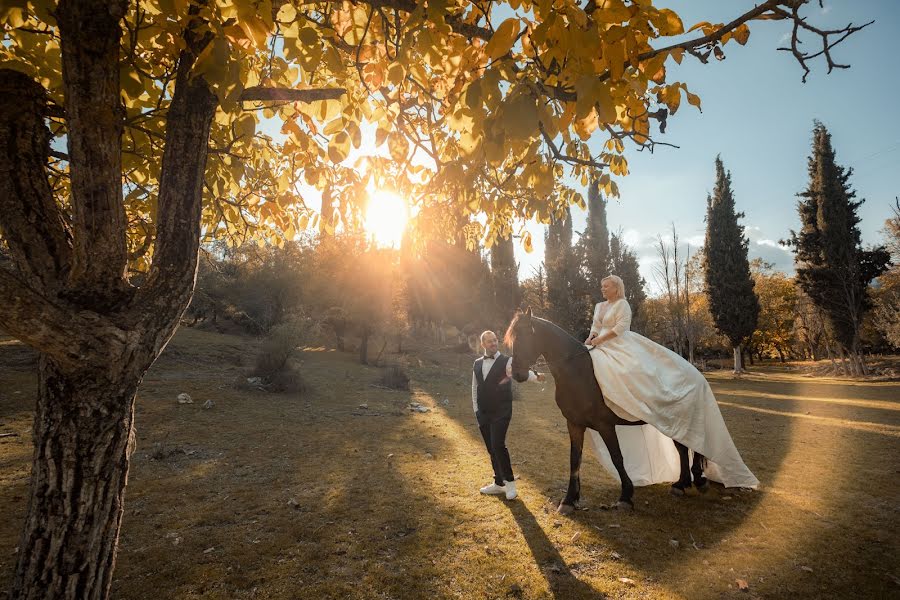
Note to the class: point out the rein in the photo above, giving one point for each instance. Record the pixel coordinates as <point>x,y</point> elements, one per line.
<point>581,350</point>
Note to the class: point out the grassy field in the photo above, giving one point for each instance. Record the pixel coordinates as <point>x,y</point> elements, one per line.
<point>281,496</point>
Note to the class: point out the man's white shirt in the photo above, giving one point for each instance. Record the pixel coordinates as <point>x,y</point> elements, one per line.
<point>486,365</point>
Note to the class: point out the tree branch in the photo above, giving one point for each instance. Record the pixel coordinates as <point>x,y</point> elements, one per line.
<point>263,94</point>
<point>167,292</point>
<point>30,220</point>
<point>90,31</point>
<point>66,334</point>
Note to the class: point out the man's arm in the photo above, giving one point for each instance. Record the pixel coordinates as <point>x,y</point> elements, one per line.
<point>474,393</point>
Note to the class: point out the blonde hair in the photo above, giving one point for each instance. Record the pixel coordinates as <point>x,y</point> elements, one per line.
<point>484,333</point>
<point>620,285</point>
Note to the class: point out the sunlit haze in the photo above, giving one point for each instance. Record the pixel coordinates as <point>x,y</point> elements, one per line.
<point>386,218</point>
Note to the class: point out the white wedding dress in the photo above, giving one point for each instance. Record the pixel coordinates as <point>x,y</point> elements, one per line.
<point>643,381</point>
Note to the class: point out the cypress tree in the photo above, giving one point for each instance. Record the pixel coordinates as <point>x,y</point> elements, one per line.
<point>562,273</point>
<point>732,301</point>
<point>624,263</point>
<point>832,267</point>
<point>596,240</point>
<point>505,277</point>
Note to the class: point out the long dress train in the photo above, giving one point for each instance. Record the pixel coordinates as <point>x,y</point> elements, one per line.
<point>643,381</point>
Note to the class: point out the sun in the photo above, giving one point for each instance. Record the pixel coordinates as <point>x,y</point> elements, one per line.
<point>386,218</point>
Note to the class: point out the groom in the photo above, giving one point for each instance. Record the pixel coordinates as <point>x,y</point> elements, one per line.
<point>492,401</point>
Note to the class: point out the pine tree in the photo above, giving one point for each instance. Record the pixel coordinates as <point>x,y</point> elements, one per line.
<point>596,240</point>
<point>832,267</point>
<point>732,301</point>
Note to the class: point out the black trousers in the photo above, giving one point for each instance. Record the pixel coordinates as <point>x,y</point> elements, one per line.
<point>493,430</point>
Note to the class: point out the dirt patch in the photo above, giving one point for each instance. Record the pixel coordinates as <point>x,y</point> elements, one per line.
<point>346,493</point>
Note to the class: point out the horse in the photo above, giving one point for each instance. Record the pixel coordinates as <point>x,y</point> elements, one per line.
<point>580,399</point>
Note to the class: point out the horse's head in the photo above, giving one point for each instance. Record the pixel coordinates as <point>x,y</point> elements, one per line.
<point>522,343</point>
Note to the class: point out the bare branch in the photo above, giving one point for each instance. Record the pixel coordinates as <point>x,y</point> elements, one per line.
<point>827,44</point>
<point>263,94</point>
<point>558,155</point>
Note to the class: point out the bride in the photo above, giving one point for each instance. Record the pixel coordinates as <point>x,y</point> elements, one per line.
<point>643,381</point>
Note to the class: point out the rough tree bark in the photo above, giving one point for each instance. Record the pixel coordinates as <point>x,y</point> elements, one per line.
<point>68,296</point>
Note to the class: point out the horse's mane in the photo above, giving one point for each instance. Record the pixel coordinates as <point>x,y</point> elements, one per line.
<point>510,337</point>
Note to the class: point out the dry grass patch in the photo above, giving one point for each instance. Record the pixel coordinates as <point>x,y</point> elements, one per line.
<point>272,495</point>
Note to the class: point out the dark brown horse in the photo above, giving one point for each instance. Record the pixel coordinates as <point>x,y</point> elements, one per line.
<point>580,399</point>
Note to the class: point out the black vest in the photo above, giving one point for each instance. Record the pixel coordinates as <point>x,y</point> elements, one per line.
<point>494,395</point>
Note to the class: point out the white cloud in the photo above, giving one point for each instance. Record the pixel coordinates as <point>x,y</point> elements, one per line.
<point>773,244</point>
<point>695,241</point>
<point>632,238</point>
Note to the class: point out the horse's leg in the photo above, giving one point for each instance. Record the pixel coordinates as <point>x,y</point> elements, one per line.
<point>573,495</point>
<point>684,480</point>
<point>701,482</point>
<point>608,433</point>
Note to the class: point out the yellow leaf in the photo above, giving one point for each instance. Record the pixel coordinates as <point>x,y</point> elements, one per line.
<point>673,22</point>
<point>519,117</point>
<point>380,136</point>
<point>742,34</point>
<point>396,73</point>
<point>614,54</point>
<point>339,147</point>
<point>334,126</point>
<point>245,126</point>
<point>693,99</point>
<point>503,39</point>
<point>526,242</point>
<point>699,25</point>
<point>287,13</point>
<point>397,146</point>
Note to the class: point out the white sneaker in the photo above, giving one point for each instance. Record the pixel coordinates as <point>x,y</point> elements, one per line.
<point>510,490</point>
<point>493,489</point>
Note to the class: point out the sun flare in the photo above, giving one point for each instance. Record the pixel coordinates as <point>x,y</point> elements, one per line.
<point>386,218</point>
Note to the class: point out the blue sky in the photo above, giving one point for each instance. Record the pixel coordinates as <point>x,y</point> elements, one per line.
<point>759,116</point>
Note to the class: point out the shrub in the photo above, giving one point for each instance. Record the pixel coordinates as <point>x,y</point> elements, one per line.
<point>394,377</point>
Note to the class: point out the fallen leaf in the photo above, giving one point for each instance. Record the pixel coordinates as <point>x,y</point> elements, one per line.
<point>807,569</point>
<point>743,585</point>
<point>616,556</point>
<point>576,536</point>
<point>627,581</point>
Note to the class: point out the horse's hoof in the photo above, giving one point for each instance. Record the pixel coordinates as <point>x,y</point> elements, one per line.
<point>676,491</point>
<point>702,487</point>
<point>565,509</point>
<point>624,505</point>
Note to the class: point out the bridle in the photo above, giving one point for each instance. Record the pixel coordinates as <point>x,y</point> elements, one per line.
<point>581,350</point>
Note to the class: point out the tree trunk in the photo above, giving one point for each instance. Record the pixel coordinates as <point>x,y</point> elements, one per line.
<point>364,347</point>
<point>380,352</point>
<point>737,359</point>
<point>83,438</point>
<point>780,353</point>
